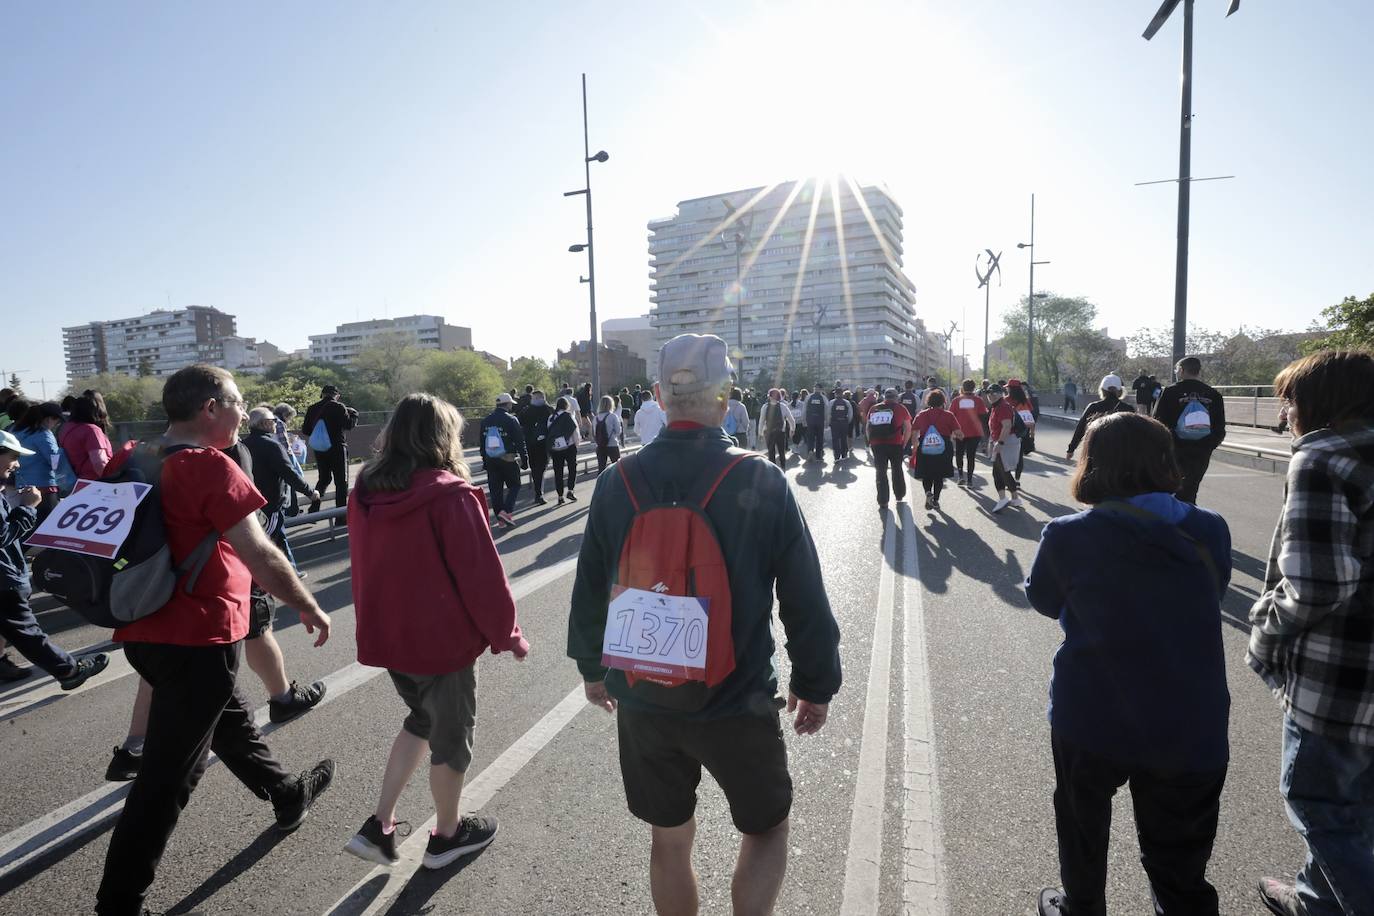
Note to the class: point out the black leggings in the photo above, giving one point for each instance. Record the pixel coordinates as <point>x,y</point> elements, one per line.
<point>567,458</point>
<point>539,462</point>
<point>967,449</point>
<point>933,486</point>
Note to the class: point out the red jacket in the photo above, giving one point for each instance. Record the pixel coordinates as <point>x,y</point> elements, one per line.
<point>429,592</point>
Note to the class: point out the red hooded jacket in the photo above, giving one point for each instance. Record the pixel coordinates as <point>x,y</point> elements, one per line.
<point>429,592</point>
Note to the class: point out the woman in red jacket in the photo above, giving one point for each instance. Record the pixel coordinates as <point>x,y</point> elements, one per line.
<point>430,596</point>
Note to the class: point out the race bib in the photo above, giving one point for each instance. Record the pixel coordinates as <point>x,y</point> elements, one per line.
<point>561,443</point>
<point>94,520</point>
<point>880,418</point>
<point>967,404</point>
<point>1027,417</point>
<point>655,634</point>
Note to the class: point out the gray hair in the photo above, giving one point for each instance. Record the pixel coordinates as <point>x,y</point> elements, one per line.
<point>284,411</point>
<point>261,418</point>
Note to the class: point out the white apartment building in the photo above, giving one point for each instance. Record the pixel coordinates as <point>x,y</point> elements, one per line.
<point>638,336</point>
<point>818,293</point>
<point>158,343</point>
<point>428,332</point>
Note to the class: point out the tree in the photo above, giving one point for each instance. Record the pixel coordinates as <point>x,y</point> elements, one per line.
<point>1089,355</point>
<point>145,367</point>
<point>392,362</point>
<point>462,378</point>
<point>1057,319</point>
<point>565,372</point>
<point>529,370</point>
<point>127,399</point>
<point>296,392</point>
<point>15,386</point>
<point>1351,322</point>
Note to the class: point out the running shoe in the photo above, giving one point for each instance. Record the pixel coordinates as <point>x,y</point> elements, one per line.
<point>506,518</point>
<point>86,668</point>
<point>1016,502</point>
<point>1053,902</point>
<point>540,501</point>
<point>930,501</point>
<point>376,845</point>
<point>307,787</point>
<point>123,766</point>
<point>571,498</point>
<point>1280,898</point>
<point>474,832</point>
<point>1001,504</point>
<point>9,671</point>
<point>302,699</point>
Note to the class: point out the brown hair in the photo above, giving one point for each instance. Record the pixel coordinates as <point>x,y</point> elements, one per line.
<point>1125,454</point>
<point>1329,388</point>
<point>187,390</point>
<point>423,432</point>
<point>936,398</point>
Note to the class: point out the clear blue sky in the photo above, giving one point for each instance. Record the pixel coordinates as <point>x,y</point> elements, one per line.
<point>309,163</point>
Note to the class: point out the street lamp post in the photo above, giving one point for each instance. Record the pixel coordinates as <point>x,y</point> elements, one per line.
<point>985,281</point>
<point>1030,297</point>
<point>590,278</point>
<point>740,239</point>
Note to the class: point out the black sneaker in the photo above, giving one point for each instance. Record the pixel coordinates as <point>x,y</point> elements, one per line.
<point>9,671</point>
<point>571,497</point>
<point>474,832</point>
<point>540,501</point>
<point>86,668</point>
<point>307,787</point>
<point>303,699</point>
<point>123,766</point>
<point>374,845</point>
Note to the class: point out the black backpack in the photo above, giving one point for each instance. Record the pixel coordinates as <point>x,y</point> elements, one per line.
<point>772,413</point>
<point>815,409</point>
<point>839,411</point>
<point>603,437</point>
<point>114,591</point>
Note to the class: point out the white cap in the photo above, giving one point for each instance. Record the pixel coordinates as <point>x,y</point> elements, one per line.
<point>1111,381</point>
<point>8,443</point>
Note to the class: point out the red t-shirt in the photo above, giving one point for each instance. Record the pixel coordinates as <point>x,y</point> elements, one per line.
<point>79,440</point>
<point>941,419</point>
<point>901,423</point>
<point>1001,412</point>
<point>969,410</point>
<point>203,490</point>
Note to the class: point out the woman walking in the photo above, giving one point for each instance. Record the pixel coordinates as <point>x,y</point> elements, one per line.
<point>85,437</point>
<point>937,431</point>
<point>1139,692</point>
<point>35,431</point>
<point>430,596</point>
<point>564,437</point>
<point>607,429</point>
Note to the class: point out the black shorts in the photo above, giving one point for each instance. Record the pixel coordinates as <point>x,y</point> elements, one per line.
<point>262,609</point>
<point>661,757</point>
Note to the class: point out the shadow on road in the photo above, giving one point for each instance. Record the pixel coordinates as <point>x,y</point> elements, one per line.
<point>252,855</point>
<point>414,899</point>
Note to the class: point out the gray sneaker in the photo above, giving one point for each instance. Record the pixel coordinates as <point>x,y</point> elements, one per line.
<point>474,833</point>
<point>86,668</point>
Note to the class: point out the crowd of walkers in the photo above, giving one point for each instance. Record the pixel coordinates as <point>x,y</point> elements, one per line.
<point>700,517</point>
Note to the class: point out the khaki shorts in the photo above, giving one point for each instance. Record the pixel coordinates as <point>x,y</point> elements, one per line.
<point>443,711</point>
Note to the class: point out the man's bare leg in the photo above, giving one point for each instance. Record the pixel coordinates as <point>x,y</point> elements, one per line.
<point>263,655</point>
<point>759,872</point>
<point>671,878</point>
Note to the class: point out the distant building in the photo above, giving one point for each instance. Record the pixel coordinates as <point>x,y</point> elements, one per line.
<point>156,344</point>
<point>499,363</point>
<point>618,366</point>
<point>637,334</point>
<point>248,355</point>
<point>428,332</point>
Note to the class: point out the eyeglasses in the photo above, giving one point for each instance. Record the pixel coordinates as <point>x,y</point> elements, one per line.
<point>230,402</point>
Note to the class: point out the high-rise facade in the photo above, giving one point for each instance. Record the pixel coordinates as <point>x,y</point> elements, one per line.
<point>428,332</point>
<point>822,290</point>
<point>157,344</point>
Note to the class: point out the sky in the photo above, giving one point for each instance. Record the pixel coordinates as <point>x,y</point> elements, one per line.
<point>305,164</point>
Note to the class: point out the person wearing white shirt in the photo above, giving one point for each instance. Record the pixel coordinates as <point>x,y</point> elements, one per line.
<point>651,419</point>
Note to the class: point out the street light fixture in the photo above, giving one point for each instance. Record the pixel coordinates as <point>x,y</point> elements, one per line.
<point>590,278</point>
<point>1031,297</point>
<point>740,240</point>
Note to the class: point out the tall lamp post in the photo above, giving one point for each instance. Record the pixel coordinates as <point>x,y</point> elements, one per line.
<point>739,239</point>
<point>590,278</point>
<point>1030,298</point>
<point>985,281</point>
<point>1185,158</point>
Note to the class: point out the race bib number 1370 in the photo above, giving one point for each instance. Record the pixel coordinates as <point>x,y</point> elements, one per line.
<point>94,520</point>
<point>650,633</point>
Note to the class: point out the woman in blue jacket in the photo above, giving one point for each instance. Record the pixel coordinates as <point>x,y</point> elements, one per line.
<point>37,431</point>
<point>1138,693</point>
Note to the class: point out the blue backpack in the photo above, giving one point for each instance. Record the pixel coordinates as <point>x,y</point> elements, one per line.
<point>319,437</point>
<point>1194,422</point>
<point>495,443</point>
<point>932,443</point>
<point>731,427</point>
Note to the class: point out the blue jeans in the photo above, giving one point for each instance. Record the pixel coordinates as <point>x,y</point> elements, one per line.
<point>1328,785</point>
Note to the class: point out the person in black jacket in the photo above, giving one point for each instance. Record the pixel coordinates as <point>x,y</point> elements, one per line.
<point>274,474</point>
<point>333,461</point>
<point>1195,413</point>
<point>502,444</point>
<point>1144,388</point>
<point>534,423</point>
<point>1111,403</point>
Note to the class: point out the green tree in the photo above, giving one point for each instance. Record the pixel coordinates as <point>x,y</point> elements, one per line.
<point>257,390</point>
<point>462,378</point>
<point>1351,323</point>
<point>1088,356</point>
<point>565,372</point>
<point>393,362</point>
<point>127,399</point>
<point>14,385</point>
<point>314,373</point>
<point>145,367</point>
<point>529,370</point>
<point>1057,320</point>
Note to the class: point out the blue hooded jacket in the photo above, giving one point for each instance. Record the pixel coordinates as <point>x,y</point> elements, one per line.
<point>1141,675</point>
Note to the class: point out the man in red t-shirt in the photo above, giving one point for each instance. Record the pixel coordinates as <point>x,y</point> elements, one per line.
<point>889,430</point>
<point>1005,449</point>
<point>969,409</point>
<point>189,650</point>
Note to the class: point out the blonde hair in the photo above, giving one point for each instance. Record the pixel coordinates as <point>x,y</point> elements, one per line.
<point>424,432</point>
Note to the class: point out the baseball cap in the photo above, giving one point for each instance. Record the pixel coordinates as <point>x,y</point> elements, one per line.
<point>505,398</point>
<point>327,390</point>
<point>693,362</point>
<point>890,394</point>
<point>8,443</point>
<point>1111,381</point>
<point>996,389</point>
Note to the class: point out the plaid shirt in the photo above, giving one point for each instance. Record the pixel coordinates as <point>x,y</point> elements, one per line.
<point>1312,633</point>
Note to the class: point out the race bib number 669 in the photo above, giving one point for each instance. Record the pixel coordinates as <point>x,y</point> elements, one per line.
<point>95,519</point>
<point>656,634</point>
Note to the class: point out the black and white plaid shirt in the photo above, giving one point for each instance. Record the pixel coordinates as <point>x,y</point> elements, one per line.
<point>1312,633</point>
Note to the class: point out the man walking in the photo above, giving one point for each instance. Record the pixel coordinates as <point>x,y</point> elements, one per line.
<point>889,431</point>
<point>1144,389</point>
<point>534,423</point>
<point>841,418</point>
<point>651,419</point>
<point>670,728</point>
<point>1005,429</point>
<point>502,445</point>
<point>331,462</point>
<point>817,409</point>
<point>775,427</point>
<point>1070,395</point>
<point>1195,413</point>
<point>189,650</point>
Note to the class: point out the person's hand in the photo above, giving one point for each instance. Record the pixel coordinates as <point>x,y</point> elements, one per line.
<point>809,716</point>
<point>313,496</point>
<point>316,619</point>
<point>519,647</point>
<point>29,496</point>
<point>598,696</point>
<point>1068,456</point>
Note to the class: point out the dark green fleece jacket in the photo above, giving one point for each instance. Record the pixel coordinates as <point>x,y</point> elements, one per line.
<point>769,550</point>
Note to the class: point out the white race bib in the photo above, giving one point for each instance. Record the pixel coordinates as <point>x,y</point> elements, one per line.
<point>655,634</point>
<point>967,404</point>
<point>880,418</point>
<point>94,520</point>
<point>1027,417</point>
<point>561,443</point>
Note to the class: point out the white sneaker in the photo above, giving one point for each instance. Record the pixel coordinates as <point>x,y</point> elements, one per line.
<point>1001,504</point>
<point>1016,503</point>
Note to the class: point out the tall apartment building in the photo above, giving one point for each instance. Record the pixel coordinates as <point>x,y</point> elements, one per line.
<point>158,343</point>
<point>428,332</point>
<point>818,293</point>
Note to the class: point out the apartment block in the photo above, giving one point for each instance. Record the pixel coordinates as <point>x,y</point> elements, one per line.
<point>157,343</point>
<point>617,365</point>
<point>428,332</point>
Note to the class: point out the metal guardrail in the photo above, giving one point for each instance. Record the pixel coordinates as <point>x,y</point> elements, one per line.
<point>1257,451</point>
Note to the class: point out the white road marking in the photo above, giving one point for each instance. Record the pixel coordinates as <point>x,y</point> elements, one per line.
<point>67,824</point>
<point>863,861</point>
<point>44,690</point>
<point>369,897</point>
<point>923,889</point>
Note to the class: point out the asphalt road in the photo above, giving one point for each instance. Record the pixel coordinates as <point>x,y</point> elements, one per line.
<point>928,790</point>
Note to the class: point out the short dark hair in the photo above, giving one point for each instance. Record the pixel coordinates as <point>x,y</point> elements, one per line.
<point>17,407</point>
<point>1189,364</point>
<point>734,394</point>
<point>936,398</point>
<point>1329,388</point>
<point>187,389</point>
<point>1123,455</point>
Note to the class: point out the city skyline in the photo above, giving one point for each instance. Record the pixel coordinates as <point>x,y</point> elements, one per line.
<point>278,180</point>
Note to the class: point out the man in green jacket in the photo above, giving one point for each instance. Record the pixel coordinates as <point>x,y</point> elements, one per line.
<point>736,734</point>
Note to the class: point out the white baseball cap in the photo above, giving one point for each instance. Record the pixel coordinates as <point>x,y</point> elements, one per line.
<point>8,443</point>
<point>693,362</point>
<point>1111,381</point>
